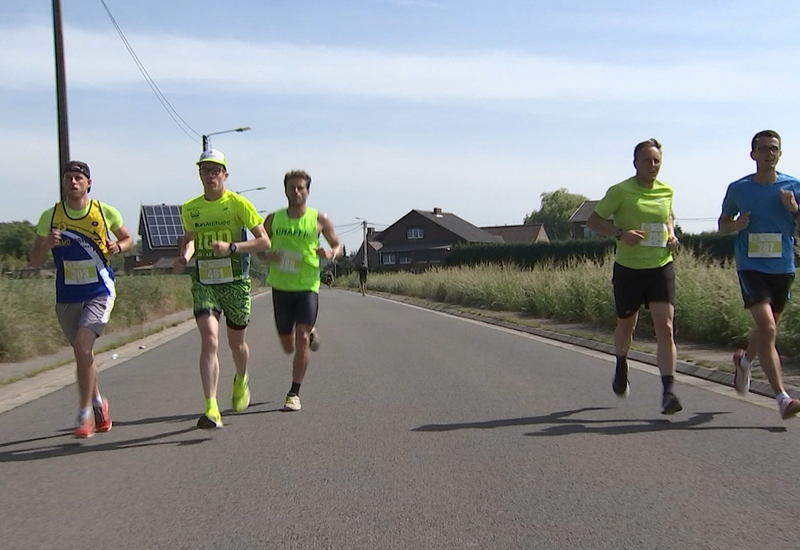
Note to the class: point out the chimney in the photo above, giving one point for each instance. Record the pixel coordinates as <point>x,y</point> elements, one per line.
<point>437,212</point>
<point>370,233</point>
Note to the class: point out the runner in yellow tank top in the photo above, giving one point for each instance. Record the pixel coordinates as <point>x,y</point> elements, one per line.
<point>294,274</point>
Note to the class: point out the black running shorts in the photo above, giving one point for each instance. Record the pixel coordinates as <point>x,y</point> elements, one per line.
<point>773,288</point>
<point>294,308</point>
<point>636,287</point>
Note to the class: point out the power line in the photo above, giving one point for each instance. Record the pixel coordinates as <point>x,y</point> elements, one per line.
<point>153,86</point>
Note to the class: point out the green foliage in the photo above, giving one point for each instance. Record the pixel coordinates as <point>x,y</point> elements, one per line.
<point>28,324</point>
<point>16,239</point>
<point>557,207</point>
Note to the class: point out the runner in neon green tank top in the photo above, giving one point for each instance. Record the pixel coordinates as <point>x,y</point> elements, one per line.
<point>214,232</point>
<point>294,274</point>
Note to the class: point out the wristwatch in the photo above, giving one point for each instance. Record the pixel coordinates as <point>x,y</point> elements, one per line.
<point>618,233</point>
<point>233,248</point>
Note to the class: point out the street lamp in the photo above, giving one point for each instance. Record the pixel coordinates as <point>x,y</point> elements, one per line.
<point>248,190</point>
<point>207,142</point>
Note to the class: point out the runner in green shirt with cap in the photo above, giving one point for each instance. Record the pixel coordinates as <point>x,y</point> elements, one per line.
<point>215,225</point>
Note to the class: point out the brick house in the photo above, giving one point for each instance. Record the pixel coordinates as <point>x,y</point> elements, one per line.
<point>420,239</point>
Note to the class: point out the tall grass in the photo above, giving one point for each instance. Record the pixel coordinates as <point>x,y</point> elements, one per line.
<point>708,305</point>
<point>28,324</point>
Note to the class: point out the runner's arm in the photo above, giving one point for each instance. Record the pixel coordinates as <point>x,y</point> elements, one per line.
<point>41,246</point>
<point>325,224</point>
<point>123,243</point>
<point>185,252</point>
<point>258,244</point>
<point>727,224</point>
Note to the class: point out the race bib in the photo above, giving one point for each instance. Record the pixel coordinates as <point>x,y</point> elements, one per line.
<point>80,272</point>
<point>764,245</point>
<point>655,234</point>
<point>290,261</point>
<point>214,272</point>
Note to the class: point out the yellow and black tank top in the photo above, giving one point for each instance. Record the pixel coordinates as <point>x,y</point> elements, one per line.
<point>82,270</point>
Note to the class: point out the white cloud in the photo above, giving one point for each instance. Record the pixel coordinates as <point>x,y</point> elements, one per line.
<point>99,61</point>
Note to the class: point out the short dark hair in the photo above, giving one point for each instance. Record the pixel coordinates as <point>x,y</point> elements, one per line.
<point>766,134</point>
<point>652,142</point>
<point>297,174</point>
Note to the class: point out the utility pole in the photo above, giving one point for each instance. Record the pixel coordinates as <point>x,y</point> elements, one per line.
<point>364,224</point>
<point>61,95</point>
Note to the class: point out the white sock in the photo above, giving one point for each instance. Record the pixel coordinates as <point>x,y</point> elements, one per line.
<point>97,401</point>
<point>83,414</point>
<point>745,362</point>
<point>783,396</point>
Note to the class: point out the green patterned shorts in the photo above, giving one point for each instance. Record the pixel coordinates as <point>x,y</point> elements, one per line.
<point>232,299</point>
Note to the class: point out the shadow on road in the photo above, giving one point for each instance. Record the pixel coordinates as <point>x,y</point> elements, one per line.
<point>564,423</point>
<point>75,447</point>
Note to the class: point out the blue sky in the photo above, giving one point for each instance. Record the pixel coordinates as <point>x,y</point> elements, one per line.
<point>474,106</point>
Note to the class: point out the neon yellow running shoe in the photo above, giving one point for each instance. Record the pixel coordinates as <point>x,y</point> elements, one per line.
<point>210,420</point>
<point>241,393</point>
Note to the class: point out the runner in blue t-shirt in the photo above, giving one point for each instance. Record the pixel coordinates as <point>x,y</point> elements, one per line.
<point>763,209</point>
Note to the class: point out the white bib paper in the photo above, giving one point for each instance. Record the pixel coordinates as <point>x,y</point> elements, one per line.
<point>655,234</point>
<point>290,261</point>
<point>764,245</point>
<point>214,272</point>
<point>80,272</point>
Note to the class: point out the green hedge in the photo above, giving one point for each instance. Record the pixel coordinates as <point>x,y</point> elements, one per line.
<point>712,245</point>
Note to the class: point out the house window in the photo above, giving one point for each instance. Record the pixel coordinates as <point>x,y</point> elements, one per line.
<point>414,233</point>
<point>388,259</point>
<point>405,259</point>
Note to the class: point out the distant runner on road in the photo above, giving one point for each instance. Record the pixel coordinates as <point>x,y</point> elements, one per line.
<point>215,232</point>
<point>294,274</point>
<point>643,270</point>
<point>763,209</point>
<point>363,271</point>
<point>77,232</point>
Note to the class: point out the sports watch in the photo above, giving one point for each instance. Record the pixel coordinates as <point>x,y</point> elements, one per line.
<point>618,232</point>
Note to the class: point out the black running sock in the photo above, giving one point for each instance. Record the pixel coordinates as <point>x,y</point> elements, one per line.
<point>622,365</point>
<point>295,388</point>
<point>667,381</point>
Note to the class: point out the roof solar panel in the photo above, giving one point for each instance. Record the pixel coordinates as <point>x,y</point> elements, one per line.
<point>163,225</point>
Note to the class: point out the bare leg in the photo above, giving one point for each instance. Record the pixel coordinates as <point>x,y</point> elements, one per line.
<point>209,360</point>
<point>663,314</point>
<point>764,334</point>
<point>87,369</point>
<point>239,349</point>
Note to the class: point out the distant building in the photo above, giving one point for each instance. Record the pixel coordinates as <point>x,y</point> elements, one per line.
<point>578,227</point>
<point>420,239</point>
<point>533,233</point>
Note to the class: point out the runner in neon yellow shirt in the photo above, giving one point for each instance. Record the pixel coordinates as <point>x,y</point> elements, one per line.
<point>294,274</point>
<point>215,225</point>
<point>641,207</point>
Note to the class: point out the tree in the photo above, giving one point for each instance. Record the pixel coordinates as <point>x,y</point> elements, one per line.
<point>557,207</point>
<point>16,239</point>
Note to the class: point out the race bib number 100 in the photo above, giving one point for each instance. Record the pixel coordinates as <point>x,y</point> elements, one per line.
<point>215,272</point>
<point>80,272</point>
<point>764,245</point>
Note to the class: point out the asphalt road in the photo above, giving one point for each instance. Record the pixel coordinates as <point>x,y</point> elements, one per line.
<point>418,430</point>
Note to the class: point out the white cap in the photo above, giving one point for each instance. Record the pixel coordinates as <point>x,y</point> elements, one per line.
<point>214,155</point>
